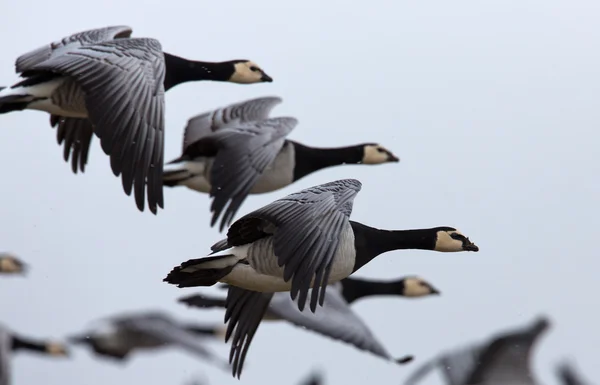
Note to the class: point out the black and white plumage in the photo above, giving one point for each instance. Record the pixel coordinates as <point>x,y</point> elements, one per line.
<point>11,264</point>
<point>302,241</point>
<point>104,82</point>
<point>504,359</point>
<point>335,320</point>
<point>261,162</point>
<point>11,342</point>
<point>123,334</point>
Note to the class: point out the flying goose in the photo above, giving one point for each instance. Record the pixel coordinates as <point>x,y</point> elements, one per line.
<point>238,150</point>
<point>10,264</point>
<point>11,342</point>
<point>568,375</point>
<point>505,359</point>
<point>103,81</point>
<point>300,241</point>
<point>336,320</point>
<point>147,330</point>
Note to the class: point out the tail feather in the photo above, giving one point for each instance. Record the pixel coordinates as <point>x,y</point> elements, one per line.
<point>173,178</point>
<point>201,272</point>
<point>10,103</point>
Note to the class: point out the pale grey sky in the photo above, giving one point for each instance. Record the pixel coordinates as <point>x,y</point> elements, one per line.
<point>492,107</point>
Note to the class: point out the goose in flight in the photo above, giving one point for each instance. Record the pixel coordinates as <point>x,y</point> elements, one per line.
<point>10,264</point>
<point>11,342</point>
<point>104,82</point>
<point>335,320</point>
<point>504,359</point>
<point>238,150</point>
<point>123,334</point>
<point>302,241</point>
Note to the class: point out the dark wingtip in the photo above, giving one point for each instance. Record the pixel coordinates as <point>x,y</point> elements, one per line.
<point>404,360</point>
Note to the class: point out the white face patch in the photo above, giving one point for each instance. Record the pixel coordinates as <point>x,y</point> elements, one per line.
<point>9,265</point>
<point>416,287</point>
<point>376,154</point>
<point>247,73</point>
<point>445,243</point>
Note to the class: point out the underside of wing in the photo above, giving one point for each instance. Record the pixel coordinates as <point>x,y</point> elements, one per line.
<point>123,83</point>
<point>27,61</point>
<point>75,134</point>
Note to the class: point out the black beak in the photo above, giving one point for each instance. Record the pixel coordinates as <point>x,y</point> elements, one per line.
<point>393,158</point>
<point>266,78</point>
<point>435,291</point>
<point>470,247</point>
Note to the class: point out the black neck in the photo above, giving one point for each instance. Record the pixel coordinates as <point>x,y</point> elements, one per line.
<point>20,343</point>
<point>371,242</point>
<point>311,159</point>
<point>180,70</point>
<point>353,288</point>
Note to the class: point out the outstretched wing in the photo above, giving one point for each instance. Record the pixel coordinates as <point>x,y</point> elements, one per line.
<point>244,312</point>
<point>308,228</point>
<point>123,83</point>
<point>27,61</point>
<point>335,320</point>
<point>206,123</point>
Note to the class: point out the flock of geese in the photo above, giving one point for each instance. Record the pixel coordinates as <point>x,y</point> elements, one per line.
<point>291,260</point>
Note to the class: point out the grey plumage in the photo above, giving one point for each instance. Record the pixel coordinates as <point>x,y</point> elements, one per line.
<point>127,333</point>
<point>5,356</point>
<point>505,359</point>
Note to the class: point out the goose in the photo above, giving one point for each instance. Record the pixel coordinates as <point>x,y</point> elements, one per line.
<point>568,375</point>
<point>102,81</point>
<point>297,242</point>
<point>504,359</point>
<point>238,150</point>
<point>123,334</point>
<point>336,320</point>
<point>11,342</point>
<point>10,264</point>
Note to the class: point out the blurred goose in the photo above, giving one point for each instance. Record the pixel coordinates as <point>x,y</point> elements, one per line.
<point>10,264</point>
<point>568,375</point>
<point>300,241</point>
<point>104,82</point>
<point>11,342</point>
<point>238,150</point>
<point>148,330</point>
<point>336,320</point>
<point>314,379</point>
<point>505,359</point>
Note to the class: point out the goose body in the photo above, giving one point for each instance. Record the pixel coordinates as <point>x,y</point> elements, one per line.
<point>106,83</point>
<point>302,241</point>
<point>252,155</point>
<point>124,334</point>
<point>10,342</point>
<point>504,359</point>
<point>335,320</point>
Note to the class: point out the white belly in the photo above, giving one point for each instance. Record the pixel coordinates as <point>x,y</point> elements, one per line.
<point>197,183</point>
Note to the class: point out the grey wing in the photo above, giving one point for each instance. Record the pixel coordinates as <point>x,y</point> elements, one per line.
<point>76,136</point>
<point>309,224</point>
<point>169,332</point>
<point>244,152</point>
<point>5,356</point>
<point>206,123</point>
<point>123,83</point>
<point>335,320</point>
<point>26,61</point>
<point>244,312</point>
<point>456,366</point>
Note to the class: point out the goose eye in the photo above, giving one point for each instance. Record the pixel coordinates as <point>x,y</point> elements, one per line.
<point>254,69</point>
<point>380,150</point>
<point>457,236</point>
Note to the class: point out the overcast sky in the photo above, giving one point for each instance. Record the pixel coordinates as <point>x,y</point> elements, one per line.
<point>492,107</point>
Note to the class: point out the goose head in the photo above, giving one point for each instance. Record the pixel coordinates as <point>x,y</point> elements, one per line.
<point>449,239</point>
<point>57,349</point>
<point>11,265</point>
<point>374,153</point>
<point>248,72</point>
<point>417,287</point>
